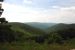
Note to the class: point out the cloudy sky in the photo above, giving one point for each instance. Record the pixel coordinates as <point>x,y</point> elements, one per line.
<point>56,11</point>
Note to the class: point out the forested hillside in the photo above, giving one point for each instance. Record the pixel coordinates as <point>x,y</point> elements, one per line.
<point>60,26</point>
<point>39,25</point>
<point>59,34</point>
<point>62,32</point>
<point>27,28</point>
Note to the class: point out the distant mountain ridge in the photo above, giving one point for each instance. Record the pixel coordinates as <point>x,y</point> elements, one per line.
<point>26,28</point>
<point>37,28</point>
<point>61,26</point>
<point>39,25</point>
<point>56,33</point>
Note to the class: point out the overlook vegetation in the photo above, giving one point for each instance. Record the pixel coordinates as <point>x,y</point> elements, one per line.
<point>21,36</point>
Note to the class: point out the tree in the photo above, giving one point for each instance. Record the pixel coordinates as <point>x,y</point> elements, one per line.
<point>6,34</point>
<point>1,0</point>
<point>55,38</point>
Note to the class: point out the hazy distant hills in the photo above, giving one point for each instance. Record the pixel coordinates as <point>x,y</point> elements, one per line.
<point>39,28</point>
<point>39,25</point>
<point>24,28</point>
<point>51,30</point>
<point>60,27</point>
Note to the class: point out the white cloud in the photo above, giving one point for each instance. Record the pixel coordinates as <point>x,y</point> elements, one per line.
<point>17,13</point>
<point>27,1</point>
<point>64,8</point>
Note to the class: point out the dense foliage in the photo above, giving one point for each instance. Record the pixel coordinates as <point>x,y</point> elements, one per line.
<point>59,33</point>
<point>20,36</point>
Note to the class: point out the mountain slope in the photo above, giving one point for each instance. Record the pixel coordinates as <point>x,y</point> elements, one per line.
<point>26,28</point>
<point>39,25</point>
<point>61,26</point>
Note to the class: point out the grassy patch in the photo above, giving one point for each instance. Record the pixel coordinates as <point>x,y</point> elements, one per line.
<point>34,46</point>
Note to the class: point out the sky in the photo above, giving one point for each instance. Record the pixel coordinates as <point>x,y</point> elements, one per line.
<point>56,11</point>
